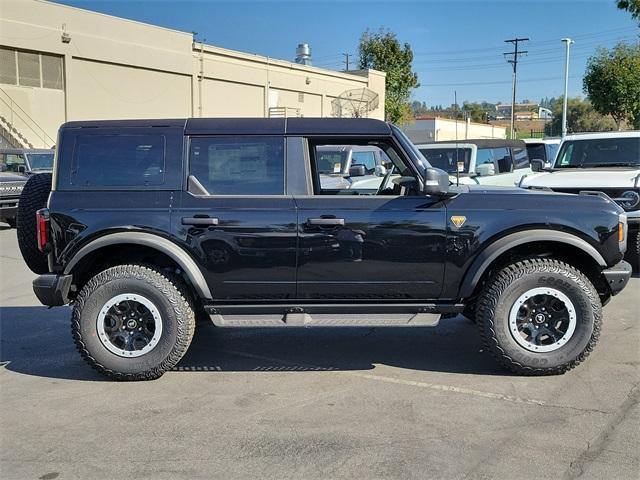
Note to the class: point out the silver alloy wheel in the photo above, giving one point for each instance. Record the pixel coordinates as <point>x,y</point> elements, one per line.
<point>129,325</point>
<point>542,320</point>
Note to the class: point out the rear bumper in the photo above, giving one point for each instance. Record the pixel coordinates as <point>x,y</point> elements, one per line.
<point>617,276</point>
<point>52,290</point>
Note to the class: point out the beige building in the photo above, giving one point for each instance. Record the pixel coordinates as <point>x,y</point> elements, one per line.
<point>434,129</point>
<point>60,63</point>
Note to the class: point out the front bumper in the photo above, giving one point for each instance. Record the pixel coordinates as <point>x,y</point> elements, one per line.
<point>52,290</point>
<point>617,276</point>
<point>8,208</point>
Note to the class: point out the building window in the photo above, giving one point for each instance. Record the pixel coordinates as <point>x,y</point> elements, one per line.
<point>30,69</point>
<point>8,66</point>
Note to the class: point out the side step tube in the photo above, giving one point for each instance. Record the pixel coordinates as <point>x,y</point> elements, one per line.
<point>326,320</point>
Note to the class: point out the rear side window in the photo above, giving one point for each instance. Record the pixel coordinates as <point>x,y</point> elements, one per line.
<point>118,160</point>
<point>238,165</point>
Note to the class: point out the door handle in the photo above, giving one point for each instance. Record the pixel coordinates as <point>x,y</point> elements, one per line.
<point>322,221</point>
<point>202,221</point>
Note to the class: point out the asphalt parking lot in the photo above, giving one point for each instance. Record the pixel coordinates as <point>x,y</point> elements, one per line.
<point>316,403</point>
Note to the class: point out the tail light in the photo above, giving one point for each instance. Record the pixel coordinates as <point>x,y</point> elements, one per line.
<point>42,228</point>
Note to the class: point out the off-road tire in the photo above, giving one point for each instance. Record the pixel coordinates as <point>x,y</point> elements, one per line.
<point>499,295</point>
<point>34,197</point>
<point>170,298</point>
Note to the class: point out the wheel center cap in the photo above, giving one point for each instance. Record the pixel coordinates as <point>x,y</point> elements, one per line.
<point>131,323</point>
<point>539,318</point>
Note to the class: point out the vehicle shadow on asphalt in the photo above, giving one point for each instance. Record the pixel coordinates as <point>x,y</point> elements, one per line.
<point>37,341</point>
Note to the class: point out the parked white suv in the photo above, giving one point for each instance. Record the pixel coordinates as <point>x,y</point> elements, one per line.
<point>599,162</point>
<point>485,162</point>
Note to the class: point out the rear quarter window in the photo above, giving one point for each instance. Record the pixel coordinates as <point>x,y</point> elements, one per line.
<point>119,160</point>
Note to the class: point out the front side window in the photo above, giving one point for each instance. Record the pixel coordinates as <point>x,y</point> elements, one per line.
<point>520,157</point>
<point>502,156</point>
<point>238,165</point>
<point>391,177</point>
<point>601,152</point>
<point>118,160</point>
<point>14,161</point>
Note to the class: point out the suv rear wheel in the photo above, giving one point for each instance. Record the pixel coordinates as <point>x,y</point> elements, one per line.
<point>539,317</point>
<point>132,323</point>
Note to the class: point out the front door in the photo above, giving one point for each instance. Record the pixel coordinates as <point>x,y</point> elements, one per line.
<point>383,242</point>
<point>235,218</point>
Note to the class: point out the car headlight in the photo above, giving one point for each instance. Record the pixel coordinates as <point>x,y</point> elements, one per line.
<point>628,200</point>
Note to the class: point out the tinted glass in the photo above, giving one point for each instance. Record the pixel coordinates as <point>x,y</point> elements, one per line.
<point>445,158</point>
<point>503,159</point>
<point>537,151</point>
<point>367,159</point>
<point>520,157</point>
<point>330,160</point>
<point>118,160</point>
<point>600,152</point>
<point>239,165</point>
<point>14,162</point>
<point>41,161</point>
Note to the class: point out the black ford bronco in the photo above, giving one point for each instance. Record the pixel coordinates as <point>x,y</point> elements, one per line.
<point>148,225</point>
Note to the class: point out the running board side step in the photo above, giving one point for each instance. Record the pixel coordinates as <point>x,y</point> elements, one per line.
<point>329,315</point>
<point>326,320</point>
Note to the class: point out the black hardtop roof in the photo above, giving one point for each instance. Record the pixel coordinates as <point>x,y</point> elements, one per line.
<point>485,142</point>
<point>251,126</point>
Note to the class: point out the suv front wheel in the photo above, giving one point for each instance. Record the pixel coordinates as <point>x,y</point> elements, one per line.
<point>131,322</point>
<point>539,316</point>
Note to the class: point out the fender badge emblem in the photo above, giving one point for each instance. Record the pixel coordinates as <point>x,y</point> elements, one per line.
<point>458,220</point>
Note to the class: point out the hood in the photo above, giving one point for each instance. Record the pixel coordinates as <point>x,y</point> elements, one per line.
<point>596,178</point>
<point>12,177</point>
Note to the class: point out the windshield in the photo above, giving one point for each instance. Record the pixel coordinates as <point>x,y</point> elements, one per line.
<point>331,162</point>
<point>41,161</point>
<point>601,152</point>
<point>445,158</point>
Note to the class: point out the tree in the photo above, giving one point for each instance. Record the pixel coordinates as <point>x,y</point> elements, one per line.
<point>581,117</point>
<point>632,6</point>
<point>475,111</point>
<point>612,81</point>
<point>382,51</point>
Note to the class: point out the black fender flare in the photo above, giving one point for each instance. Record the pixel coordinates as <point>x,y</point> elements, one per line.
<point>175,252</point>
<point>494,250</point>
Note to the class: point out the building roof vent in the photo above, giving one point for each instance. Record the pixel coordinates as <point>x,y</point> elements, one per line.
<point>303,54</point>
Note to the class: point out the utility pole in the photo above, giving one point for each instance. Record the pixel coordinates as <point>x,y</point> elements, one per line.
<point>346,60</point>
<point>514,62</point>
<point>568,42</point>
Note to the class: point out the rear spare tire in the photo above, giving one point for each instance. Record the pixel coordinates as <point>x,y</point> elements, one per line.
<point>34,197</point>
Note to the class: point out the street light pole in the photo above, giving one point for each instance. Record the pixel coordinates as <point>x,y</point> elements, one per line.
<point>568,43</point>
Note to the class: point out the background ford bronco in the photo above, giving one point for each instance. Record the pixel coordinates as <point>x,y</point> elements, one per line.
<point>151,224</point>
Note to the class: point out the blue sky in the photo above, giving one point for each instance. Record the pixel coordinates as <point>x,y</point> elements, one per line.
<point>458,45</point>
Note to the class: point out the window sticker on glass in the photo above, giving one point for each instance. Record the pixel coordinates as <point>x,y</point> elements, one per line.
<point>336,168</point>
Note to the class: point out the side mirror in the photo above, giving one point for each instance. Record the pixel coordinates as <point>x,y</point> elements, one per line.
<point>436,181</point>
<point>486,169</point>
<point>22,169</point>
<point>381,170</point>
<point>357,171</point>
<point>537,165</point>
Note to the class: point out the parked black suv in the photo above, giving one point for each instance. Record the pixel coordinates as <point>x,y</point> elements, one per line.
<point>152,223</point>
<point>16,164</point>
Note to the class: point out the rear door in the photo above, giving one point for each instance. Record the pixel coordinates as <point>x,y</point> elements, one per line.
<point>386,245</point>
<point>233,215</point>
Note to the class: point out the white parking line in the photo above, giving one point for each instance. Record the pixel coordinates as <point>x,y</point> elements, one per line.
<point>399,381</point>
